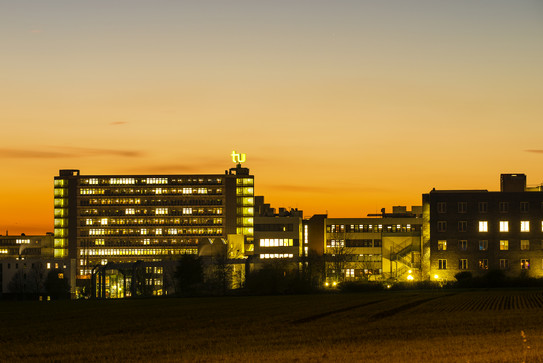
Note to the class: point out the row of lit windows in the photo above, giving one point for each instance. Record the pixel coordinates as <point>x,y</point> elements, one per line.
<point>483,245</point>
<point>275,242</point>
<point>350,272</point>
<point>134,211</point>
<point>129,201</point>
<point>244,191</point>
<point>151,221</point>
<point>482,264</point>
<point>351,243</point>
<point>276,255</point>
<point>139,241</point>
<point>155,231</point>
<point>244,181</point>
<point>483,226</point>
<point>370,228</point>
<point>151,180</point>
<point>482,207</point>
<point>185,191</point>
<point>133,251</point>
<point>158,211</point>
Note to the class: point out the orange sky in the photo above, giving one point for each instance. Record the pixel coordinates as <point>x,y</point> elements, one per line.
<point>345,107</point>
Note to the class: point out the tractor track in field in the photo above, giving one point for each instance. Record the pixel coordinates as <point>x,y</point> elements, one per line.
<point>328,313</point>
<point>401,308</point>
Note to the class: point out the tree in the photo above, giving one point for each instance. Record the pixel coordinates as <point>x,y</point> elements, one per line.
<point>188,274</point>
<point>222,269</point>
<point>35,278</point>
<point>17,285</point>
<point>56,284</point>
<point>337,254</point>
<point>314,268</point>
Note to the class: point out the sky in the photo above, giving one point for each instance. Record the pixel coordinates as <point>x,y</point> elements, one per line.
<point>342,107</point>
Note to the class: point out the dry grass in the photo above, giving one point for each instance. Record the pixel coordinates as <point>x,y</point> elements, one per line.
<point>449,326</point>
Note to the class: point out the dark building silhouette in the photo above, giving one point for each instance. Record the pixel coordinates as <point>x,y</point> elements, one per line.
<point>479,230</point>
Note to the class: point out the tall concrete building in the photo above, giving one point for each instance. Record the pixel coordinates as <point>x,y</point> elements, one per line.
<point>126,218</point>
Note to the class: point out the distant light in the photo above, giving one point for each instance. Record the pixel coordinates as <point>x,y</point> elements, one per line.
<point>410,271</point>
<point>326,284</point>
<point>388,286</point>
<point>410,278</point>
<point>334,283</point>
<point>436,277</point>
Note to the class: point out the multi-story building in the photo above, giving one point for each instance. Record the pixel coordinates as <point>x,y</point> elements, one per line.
<point>277,234</point>
<point>478,230</point>
<point>387,245</point>
<point>126,218</point>
<point>21,247</point>
<point>25,261</point>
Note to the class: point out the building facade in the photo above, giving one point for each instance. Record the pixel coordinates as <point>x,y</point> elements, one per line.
<point>478,230</point>
<point>384,246</point>
<point>127,218</point>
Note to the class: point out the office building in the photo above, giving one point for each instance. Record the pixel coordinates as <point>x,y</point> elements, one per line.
<point>481,230</point>
<point>278,234</point>
<point>126,218</point>
<point>381,246</point>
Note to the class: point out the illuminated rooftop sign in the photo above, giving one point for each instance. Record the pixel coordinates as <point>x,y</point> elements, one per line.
<point>238,157</point>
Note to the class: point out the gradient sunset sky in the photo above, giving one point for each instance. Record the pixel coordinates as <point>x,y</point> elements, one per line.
<point>340,106</point>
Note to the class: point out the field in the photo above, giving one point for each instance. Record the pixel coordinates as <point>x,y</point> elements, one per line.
<point>408,326</point>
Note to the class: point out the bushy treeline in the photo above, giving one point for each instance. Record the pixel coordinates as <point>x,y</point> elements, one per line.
<point>35,282</point>
<point>196,276</point>
<point>493,279</point>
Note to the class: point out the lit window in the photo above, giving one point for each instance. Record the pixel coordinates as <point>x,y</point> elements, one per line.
<point>463,264</point>
<point>483,245</point>
<point>504,245</point>
<point>483,264</point>
<point>524,264</point>
<point>525,226</point>
<point>504,226</point>
<point>103,221</point>
<point>483,226</point>
<point>130,211</point>
<point>462,245</point>
<point>442,264</point>
<point>161,211</point>
<point>48,265</point>
<point>524,244</point>
<point>88,222</point>
<point>187,210</point>
<point>504,264</point>
<point>441,245</point>
<point>349,272</point>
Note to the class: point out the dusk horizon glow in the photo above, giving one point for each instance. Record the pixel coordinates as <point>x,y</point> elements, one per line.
<point>341,108</point>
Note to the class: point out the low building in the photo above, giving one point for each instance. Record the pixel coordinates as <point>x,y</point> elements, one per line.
<point>278,234</point>
<point>382,246</point>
